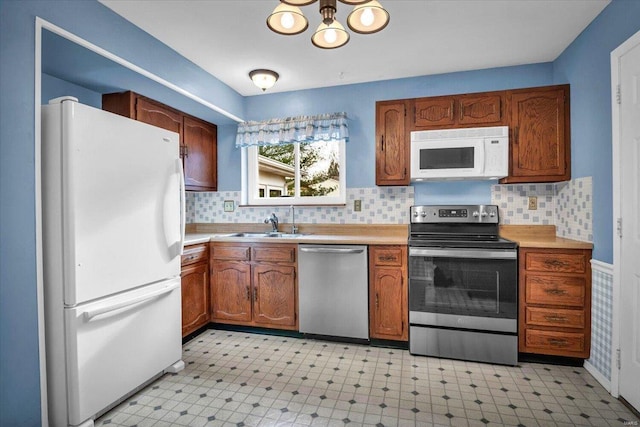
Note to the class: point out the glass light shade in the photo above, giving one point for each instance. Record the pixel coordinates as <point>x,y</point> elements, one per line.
<point>368,18</point>
<point>264,79</point>
<point>298,2</point>
<point>287,19</point>
<point>330,36</point>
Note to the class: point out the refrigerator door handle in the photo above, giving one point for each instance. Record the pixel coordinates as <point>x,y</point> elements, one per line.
<point>88,315</point>
<point>183,205</point>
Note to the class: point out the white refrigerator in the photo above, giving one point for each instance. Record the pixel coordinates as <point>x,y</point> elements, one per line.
<point>113,230</point>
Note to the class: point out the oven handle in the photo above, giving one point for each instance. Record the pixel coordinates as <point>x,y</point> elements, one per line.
<point>463,253</point>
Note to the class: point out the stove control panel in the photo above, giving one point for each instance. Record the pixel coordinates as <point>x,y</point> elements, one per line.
<point>454,214</point>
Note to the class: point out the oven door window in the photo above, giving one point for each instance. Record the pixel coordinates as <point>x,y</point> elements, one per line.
<point>463,286</point>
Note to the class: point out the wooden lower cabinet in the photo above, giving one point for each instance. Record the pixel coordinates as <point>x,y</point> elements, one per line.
<point>555,302</point>
<point>195,288</point>
<point>274,287</point>
<point>388,293</point>
<point>254,285</point>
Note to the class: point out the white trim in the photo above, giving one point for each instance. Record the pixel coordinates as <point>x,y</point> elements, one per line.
<point>44,407</point>
<point>105,53</point>
<point>616,54</point>
<point>597,375</point>
<point>602,267</point>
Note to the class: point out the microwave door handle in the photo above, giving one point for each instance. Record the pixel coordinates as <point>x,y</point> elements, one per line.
<point>481,155</point>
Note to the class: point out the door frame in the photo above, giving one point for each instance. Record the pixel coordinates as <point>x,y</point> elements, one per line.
<point>616,55</point>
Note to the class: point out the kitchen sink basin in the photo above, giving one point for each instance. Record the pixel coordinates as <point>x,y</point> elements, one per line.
<point>268,234</point>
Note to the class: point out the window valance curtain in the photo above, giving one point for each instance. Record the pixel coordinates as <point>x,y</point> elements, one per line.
<point>323,127</point>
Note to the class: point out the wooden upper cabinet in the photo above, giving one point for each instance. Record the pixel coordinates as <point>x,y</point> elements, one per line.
<point>434,112</point>
<point>481,110</point>
<point>156,114</point>
<point>200,154</point>
<point>457,111</point>
<point>198,139</point>
<point>540,135</point>
<point>392,143</point>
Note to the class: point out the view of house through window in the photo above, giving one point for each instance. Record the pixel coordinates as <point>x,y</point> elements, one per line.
<point>316,164</point>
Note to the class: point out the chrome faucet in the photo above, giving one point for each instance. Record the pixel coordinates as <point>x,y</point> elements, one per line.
<point>294,227</point>
<point>273,219</point>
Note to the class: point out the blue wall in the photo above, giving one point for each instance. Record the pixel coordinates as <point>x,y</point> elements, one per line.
<point>586,64</point>
<point>53,87</point>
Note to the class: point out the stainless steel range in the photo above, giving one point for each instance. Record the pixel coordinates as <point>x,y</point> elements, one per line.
<point>462,285</point>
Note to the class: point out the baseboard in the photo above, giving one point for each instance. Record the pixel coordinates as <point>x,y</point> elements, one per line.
<point>598,376</point>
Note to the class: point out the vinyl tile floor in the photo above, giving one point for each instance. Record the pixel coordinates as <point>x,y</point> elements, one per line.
<point>244,379</point>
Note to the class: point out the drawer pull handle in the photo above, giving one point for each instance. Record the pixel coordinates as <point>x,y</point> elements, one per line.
<point>556,291</point>
<point>558,342</point>
<point>556,263</point>
<point>556,318</point>
<point>387,258</point>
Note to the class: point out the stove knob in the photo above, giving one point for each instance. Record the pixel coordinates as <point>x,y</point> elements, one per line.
<point>484,213</point>
<point>415,214</point>
<point>492,214</point>
<point>424,214</point>
<point>475,214</point>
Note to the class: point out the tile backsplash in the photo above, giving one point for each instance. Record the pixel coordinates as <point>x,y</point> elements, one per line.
<point>567,205</point>
<point>379,205</point>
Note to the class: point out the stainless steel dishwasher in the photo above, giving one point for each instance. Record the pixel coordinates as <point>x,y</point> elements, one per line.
<point>333,290</point>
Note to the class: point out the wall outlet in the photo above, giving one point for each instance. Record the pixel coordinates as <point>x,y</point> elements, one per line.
<point>533,203</point>
<point>229,206</point>
<point>357,205</point>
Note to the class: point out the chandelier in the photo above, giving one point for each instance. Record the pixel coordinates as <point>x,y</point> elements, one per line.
<point>367,17</point>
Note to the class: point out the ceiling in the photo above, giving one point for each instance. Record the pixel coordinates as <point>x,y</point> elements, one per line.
<point>229,38</point>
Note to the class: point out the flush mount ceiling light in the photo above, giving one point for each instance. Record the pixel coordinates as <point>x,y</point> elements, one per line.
<point>367,17</point>
<point>264,79</point>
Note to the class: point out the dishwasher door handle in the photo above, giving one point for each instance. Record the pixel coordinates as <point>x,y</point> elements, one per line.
<point>332,250</point>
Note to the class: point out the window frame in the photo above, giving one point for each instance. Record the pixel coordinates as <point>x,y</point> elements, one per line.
<point>251,187</point>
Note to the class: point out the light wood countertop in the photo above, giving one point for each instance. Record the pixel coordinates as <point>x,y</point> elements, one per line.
<point>336,234</point>
<point>540,236</point>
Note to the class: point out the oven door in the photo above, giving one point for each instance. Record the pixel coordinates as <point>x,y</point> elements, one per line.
<point>465,288</point>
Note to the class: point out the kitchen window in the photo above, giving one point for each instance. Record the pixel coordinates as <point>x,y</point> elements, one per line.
<point>294,161</point>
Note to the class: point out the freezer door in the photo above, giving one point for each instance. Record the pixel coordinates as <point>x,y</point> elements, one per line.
<point>121,203</point>
<point>118,343</point>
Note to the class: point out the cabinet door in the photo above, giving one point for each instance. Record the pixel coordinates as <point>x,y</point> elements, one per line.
<point>195,297</point>
<point>274,295</point>
<point>434,112</point>
<point>200,157</point>
<point>159,115</point>
<point>392,150</point>
<point>231,291</point>
<point>388,320</point>
<point>540,145</point>
<point>480,110</point>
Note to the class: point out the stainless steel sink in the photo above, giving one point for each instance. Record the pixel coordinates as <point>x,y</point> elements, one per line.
<point>268,234</point>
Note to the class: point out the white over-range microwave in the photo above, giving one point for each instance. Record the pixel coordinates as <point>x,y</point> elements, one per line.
<point>454,154</point>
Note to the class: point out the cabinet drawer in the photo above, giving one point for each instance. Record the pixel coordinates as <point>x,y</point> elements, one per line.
<point>391,256</point>
<point>555,290</point>
<point>237,253</point>
<point>556,262</point>
<point>555,341</point>
<point>539,316</point>
<point>194,254</point>
<point>274,253</point>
